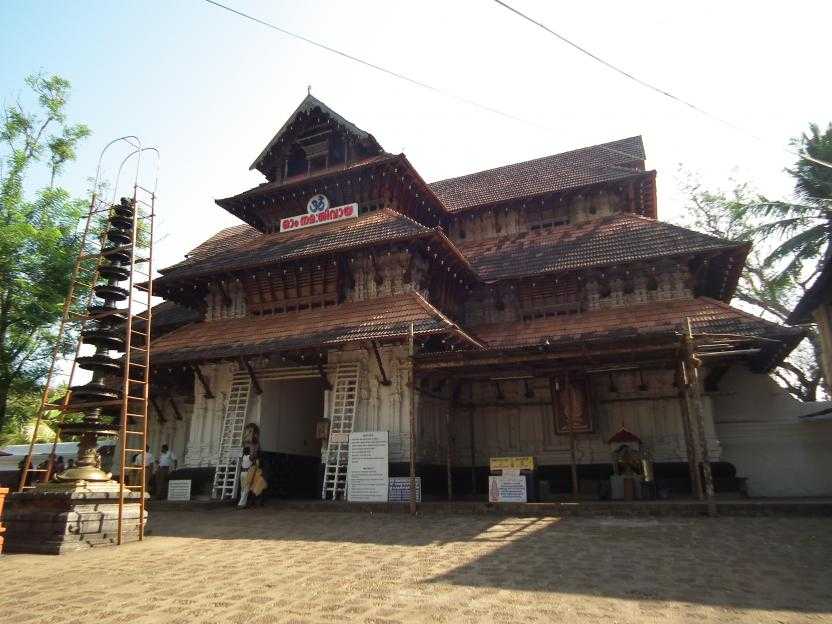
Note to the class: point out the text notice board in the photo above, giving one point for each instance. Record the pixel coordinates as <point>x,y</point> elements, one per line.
<point>368,467</point>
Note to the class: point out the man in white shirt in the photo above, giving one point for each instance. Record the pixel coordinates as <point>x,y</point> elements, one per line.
<point>166,463</point>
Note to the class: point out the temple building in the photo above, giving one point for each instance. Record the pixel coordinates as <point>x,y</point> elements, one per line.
<point>539,312</point>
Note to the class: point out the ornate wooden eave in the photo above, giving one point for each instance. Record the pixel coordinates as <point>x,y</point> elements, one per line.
<point>411,194</point>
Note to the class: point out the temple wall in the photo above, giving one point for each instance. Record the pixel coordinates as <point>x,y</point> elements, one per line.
<point>764,437</point>
<point>653,414</point>
<point>546,294</point>
<point>380,407</point>
<point>547,212</point>
<point>206,420</point>
<point>173,431</point>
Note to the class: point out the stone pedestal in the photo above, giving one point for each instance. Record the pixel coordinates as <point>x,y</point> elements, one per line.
<point>58,519</point>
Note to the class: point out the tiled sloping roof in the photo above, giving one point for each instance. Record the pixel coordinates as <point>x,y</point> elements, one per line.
<point>374,319</point>
<point>262,249</point>
<point>309,104</point>
<point>168,315</point>
<point>228,239</point>
<point>654,319</point>
<point>589,165</point>
<point>268,187</point>
<point>620,238</point>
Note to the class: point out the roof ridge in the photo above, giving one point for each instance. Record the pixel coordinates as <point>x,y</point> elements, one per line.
<point>309,103</point>
<point>540,158</point>
<point>396,213</point>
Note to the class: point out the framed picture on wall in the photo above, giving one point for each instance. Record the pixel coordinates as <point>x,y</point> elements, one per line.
<point>571,405</point>
<point>322,429</point>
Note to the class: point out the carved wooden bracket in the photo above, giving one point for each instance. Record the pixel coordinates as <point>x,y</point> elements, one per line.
<point>254,382</point>
<point>203,382</point>
<point>384,381</point>
<point>175,409</point>
<point>324,378</point>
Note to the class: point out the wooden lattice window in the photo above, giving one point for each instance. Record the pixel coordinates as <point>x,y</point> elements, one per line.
<point>293,289</point>
<point>547,297</point>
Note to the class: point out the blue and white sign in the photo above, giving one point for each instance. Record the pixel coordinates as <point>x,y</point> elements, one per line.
<point>317,203</point>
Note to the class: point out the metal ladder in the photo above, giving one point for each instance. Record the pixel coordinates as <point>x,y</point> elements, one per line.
<point>341,416</point>
<point>231,439</point>
<point>129,411</point>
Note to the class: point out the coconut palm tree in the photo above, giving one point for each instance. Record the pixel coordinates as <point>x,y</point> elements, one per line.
<point>806,225</point>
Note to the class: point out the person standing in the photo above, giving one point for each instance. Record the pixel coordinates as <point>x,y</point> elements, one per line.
<point>246,465</point>
<point>167,461</point>
<point>148,468</point>
<point>59,466</point>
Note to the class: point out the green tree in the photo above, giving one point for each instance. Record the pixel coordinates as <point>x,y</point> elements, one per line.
<point>803,227</point>
<point>38,241</point>
<point>764,289</point>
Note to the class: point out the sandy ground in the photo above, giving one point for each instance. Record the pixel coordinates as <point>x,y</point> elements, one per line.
<point>265,565</point>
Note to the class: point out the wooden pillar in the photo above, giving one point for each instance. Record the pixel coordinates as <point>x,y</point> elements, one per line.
<point>698,412</point>
<point>411,350</point>
<point>690,444</point>
<point>568,393</point>
<point>448,450</point>
<point>563,408</point>
<point>473,454</point>
<point>690,366</point>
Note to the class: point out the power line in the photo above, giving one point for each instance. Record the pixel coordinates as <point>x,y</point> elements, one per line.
<point>408,79</point>
<point>649,85</point>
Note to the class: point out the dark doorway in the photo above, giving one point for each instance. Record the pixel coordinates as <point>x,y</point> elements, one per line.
<point>289,412</point>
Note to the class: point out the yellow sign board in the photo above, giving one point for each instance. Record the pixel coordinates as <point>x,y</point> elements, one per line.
<point>515,463</point>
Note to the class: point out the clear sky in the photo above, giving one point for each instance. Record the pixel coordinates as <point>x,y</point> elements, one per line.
<point>210,89</point>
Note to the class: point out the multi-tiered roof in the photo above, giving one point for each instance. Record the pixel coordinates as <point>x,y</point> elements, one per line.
<point>318,151</point>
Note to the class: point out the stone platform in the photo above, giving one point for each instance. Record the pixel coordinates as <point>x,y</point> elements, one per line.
<point>682,508</point>
<point>56,522</point>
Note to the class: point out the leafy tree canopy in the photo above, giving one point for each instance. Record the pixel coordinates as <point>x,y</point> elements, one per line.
<point>38,241</point>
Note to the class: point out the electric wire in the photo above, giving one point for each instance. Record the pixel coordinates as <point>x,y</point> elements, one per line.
<point>413,81</point>
<point>649,85</point>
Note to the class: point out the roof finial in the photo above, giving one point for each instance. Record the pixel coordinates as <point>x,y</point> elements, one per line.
<point>309,90</point>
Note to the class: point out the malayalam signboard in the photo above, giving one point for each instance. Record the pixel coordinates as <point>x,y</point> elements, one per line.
<point>179,490</point>
<point>399,490</point>
<point>367,467</point>
<point>512,463</point>
<point>318,211</point>
<point>507,489</point>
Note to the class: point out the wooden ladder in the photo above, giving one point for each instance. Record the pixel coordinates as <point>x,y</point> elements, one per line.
<point>341,416</point>
<point>231,439</point>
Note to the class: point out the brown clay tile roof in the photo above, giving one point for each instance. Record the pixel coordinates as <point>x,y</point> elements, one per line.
<point>308,105</point>
<point>245,247</point>
<point>654,319</point>
<point>168,315</point>
<point>269,187</point>
<point>375,319</point>
<point>620,238</point>
<point>606,162</point>
<point>224,240</point>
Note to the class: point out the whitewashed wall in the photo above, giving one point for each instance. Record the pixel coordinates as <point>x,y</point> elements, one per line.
<point>765,438</point>
<point>380,407</point>
<point>173,431</point>
<point>206,421</point>
<point>383,408</point>
<point>653,414</point>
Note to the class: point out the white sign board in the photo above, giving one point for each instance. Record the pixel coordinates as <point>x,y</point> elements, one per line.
<point>179,490</point>
<point>398,490</point>
<point>507,490</point>
<point>326,215</point>
<point>367,468</point>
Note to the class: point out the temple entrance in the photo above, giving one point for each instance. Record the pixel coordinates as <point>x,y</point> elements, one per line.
<point>290,451</point>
